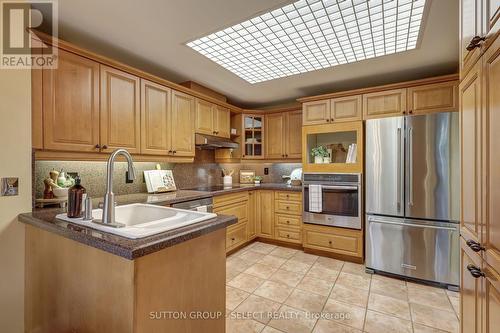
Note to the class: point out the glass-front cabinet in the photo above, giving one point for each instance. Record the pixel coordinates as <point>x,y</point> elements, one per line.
<point>333,147</point>
<point>253,136</point>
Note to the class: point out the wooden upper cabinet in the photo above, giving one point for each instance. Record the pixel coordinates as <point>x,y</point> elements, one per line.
<point>182,130</point>
<point>120,110</point>
<point>155,126</point>
<point>491,105</point>
<point>470,27</point>
<point>222,121</point>
<point>275,135</point>
<point>346,108</point>
<point>470,291</point>
<point>438,97</point>
<point>71,104</point>
<point>387,103</point>
<point>317,112</point>
<point>293,137</point>
<point>204,117</point>
<point>471,133</point>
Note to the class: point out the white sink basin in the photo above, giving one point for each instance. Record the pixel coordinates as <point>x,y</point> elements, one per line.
<point>142,220</point>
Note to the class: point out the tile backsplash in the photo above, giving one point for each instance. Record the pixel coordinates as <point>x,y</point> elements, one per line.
<point>203,172</point>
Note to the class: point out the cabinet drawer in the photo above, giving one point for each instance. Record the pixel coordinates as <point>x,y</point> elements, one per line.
<point>236,236</point>
<point>227,199</point>
<point>347,242</point>
<point>287,220</point>
<point>292,235</point>
<point>288,196</point>
<point>286,207</point>
<point>239,209</point>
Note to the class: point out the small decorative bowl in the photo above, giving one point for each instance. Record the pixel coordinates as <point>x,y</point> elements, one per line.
<point>61,192</point>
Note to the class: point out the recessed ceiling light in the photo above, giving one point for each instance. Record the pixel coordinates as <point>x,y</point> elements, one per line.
<point>308,35</point>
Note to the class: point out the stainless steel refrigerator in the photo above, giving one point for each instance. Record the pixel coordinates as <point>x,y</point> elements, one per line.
<point>413,196</point>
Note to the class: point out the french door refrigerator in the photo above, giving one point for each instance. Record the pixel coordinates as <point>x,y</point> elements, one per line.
<point>413,196</point>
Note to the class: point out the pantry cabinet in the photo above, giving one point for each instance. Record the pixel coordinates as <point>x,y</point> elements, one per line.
<point>120,111</point>
<point>182,125</point>
<point>212,119</point>
<point>155,122</point>
<point>70,116</point>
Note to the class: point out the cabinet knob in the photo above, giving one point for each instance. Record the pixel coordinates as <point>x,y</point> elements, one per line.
<point>287,222</point>
<point>411,111</point>
<point>232,239</point>
<point>328,120</point>
<point>330,242</point>
<point>331,119</point>
<point>475,42</point>
<point>175,152</point>
<point>104,147</point>
<point>287,236</point>
<point>170,152</point>
<point>475,246</point>
<point>475,271</point>
<point>97,146</point>
<point>287,207</point>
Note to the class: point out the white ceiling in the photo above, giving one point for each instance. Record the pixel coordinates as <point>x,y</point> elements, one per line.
<point>151,35</point>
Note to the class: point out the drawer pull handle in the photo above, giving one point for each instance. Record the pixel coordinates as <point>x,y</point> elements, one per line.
<point>287,207</point>
<point>474,271</point>
<point>475,246</point>
<point>287,236</point>
<point>330,242</point>
<point>232,239</point>
<point>287,222</point>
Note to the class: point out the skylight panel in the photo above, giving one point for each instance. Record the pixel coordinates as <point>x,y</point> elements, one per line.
<point>308,35</point>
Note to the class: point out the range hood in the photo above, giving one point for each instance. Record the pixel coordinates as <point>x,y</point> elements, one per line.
<point>212,142</point>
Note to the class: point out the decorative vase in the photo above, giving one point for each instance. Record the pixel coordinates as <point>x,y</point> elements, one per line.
<point>326,159</point>
<point>318,159</point>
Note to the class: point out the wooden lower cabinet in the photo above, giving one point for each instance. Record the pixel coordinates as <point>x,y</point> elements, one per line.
<point>470,291</point>
<point>236,235</point>
<point>252,213</point>
<point>291,235</point>
<point>265,212</point>
<point>234,204</point>
<point>342,241</point>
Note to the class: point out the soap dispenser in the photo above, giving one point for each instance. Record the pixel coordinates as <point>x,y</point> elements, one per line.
<point>75,199</point>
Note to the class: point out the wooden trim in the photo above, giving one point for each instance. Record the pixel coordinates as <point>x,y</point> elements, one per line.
<point>129,69</point>
<point>51,155</point>
<point>399,85</point>
<point>338,256</point>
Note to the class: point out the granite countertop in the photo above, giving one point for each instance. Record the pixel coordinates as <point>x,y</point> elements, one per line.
<point>121,246</point>
<point>263,186</point>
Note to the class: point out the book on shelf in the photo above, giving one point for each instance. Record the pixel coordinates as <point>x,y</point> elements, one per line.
<point>351,153</point>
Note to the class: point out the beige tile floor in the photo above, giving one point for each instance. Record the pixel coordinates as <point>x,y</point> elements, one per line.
<point>272,289</point>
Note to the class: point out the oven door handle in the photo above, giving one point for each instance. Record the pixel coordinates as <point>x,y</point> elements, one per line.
<point>337,187</point>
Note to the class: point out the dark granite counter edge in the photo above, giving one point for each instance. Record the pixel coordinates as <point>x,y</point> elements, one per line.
<point>157,243</point>
<point>274,187</point>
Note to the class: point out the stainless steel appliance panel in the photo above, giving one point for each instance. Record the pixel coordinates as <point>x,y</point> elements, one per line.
<point>418,249</point>
<point>385,166</point>
<point>432,167</point>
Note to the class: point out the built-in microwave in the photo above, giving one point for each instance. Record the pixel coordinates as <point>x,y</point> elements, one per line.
<point>340,196</point>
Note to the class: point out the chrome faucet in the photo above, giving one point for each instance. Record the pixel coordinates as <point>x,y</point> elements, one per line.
<point>108,210</point>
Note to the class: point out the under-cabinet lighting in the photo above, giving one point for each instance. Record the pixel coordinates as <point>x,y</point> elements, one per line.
<point>313,34</point>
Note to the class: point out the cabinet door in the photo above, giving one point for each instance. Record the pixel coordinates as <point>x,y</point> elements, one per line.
<point>204,117</point>
<point>470,129</point>
<point>155,107</point>
<point>120,110</point>
<point>71,104</point>
<point>438,97</point>
<point>346,108</point>
<point>491,16</point>
<point>265,210</point>
<point>387,103</point>
<point>317,112</point>
<point>470,26</point>
<point>275,135</point>
<point>182,129</point>
<point>293,138</point>
<point>470,292</point>
<point>491,302</point>
<point>252,210</point>
<point>222,121</point>
<point>491,105</point>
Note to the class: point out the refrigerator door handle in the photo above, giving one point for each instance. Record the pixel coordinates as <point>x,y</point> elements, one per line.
<point>411,224</point>
<point>398,171</point>
<point>410,166</point>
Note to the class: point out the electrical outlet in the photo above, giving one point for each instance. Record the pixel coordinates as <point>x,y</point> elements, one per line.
<point>127,181</point>
<point>266,171</point>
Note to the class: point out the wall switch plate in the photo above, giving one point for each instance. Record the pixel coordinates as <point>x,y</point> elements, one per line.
<point>9,186</point>
<point>266,171</point>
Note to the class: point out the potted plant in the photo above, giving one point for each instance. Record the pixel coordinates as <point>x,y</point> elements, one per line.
<point>257,180</point>
<point>320,154</point>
